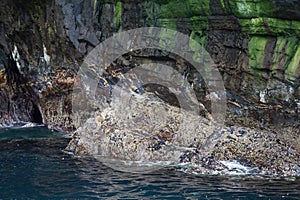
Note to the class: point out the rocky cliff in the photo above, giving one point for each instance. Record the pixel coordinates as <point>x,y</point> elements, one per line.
<point>255,45</point>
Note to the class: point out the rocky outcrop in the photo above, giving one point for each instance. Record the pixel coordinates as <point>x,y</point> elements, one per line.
<point>254,44</point>
<point>151,132</point>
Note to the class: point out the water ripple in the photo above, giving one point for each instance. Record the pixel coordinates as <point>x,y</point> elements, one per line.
<point>39,169</point>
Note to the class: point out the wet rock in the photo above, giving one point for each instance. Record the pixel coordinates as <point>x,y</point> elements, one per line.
<point>129,136</point>
<point>254,44</point>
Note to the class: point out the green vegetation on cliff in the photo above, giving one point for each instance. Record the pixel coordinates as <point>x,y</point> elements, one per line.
<point>286,56</point>
<point>183,8</point>
<point>256,51</point>
<point>279,57</point>
<point>270,26</point>
<point>293,68</point>
<point>118,16</point>
<point>198,23</point>
<point>251,8</point>
<point>257,19</point>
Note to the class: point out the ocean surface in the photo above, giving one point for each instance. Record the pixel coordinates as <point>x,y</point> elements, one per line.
<point>33,165</point>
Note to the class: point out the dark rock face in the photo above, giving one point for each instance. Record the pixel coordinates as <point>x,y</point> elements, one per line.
<point>255,45</point>
<point>18,100</point>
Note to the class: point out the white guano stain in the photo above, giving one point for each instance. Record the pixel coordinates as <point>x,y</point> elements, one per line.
<point>46,56</point>
<point>16,56</point>
<point>262,95</point>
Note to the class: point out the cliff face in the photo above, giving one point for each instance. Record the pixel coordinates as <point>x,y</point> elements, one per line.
<point>255,45</point>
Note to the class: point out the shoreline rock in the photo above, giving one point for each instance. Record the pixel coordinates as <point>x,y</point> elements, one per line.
<point>142,134</point>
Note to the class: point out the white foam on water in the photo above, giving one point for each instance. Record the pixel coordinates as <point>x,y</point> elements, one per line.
<point>133,166</point>
<point>30,124</point>
<point>22,125</point>
<point>231,168</point>
<point>236,168</point>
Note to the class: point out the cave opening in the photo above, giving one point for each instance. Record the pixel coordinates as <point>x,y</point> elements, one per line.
<point>37,115</point>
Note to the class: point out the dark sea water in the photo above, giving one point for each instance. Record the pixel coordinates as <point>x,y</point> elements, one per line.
<point>33,165</point>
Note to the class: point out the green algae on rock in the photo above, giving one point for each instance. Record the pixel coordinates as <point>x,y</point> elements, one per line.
<point>293,68</point>
<point>252,8</point>
<point>270,26</point>
<point>184,9</point>
<point>118,16</point>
